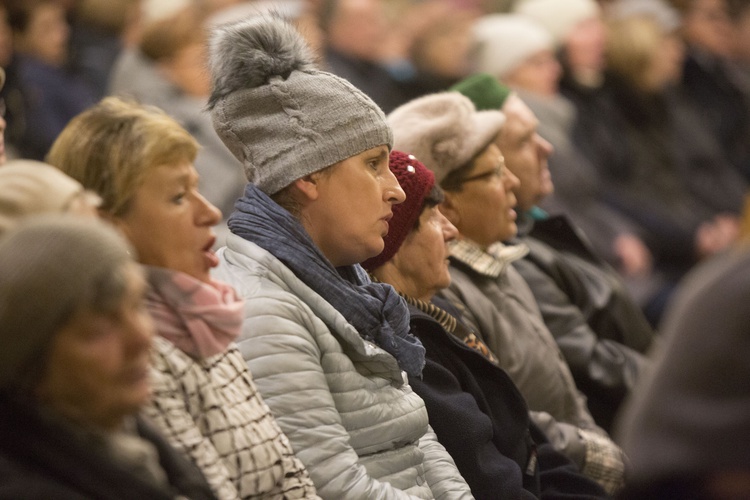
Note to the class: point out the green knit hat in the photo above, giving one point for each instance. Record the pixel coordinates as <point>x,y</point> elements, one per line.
<point>484,91</point>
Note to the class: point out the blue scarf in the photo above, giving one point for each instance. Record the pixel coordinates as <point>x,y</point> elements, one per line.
<point>375,310</point>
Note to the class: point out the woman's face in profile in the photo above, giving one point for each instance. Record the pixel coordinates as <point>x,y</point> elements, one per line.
<point>170,224</point>
<point>97,368</point>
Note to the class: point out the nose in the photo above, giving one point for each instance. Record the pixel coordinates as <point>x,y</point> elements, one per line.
<point>393,193</point>
<point>544,147</point>
<point>511,181</point>
<point>206,213</point>
<point>450,232</point>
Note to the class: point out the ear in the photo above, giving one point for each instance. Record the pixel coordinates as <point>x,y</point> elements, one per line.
<point>308,186</point>
<point>450,208</point>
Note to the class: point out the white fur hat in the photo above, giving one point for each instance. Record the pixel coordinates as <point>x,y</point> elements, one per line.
<point>559,17</point>
<point>504,41</point>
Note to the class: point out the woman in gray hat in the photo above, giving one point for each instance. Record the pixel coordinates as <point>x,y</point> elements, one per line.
<point>329,350</point>
<point>74,370</point>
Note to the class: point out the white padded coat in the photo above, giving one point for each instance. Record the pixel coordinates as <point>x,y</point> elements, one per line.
<point>345,405</point>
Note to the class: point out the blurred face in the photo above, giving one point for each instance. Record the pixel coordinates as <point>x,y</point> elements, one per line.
<point>187,70</point>
<point>525,153</point>
<point>422,260</point>
<point>170,224</point>
<point>46,36</point>
<point>707,25</point>
<point>97,372</point>
<point>539,73</point>
<point>483,209</point>
<point>585,45</point>
<point>6,39</point>
<point>358,28</point>
<point>666,66</point>
<point>348,217</point>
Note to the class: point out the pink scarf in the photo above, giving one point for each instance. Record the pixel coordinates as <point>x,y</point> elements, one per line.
<point>201,319</point>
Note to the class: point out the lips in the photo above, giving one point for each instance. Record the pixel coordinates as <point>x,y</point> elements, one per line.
<point>208,254</point>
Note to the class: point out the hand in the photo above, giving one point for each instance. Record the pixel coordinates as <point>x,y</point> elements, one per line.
<point>634,256</point>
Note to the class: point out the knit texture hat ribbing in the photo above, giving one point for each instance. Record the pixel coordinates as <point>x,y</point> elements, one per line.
<point>504,41</point>
<point>278,114</point>
<point>50,266</point>
<point>417,181</point>
<point>444,130</point>
<point>30,187</point>
<point>484,91</point>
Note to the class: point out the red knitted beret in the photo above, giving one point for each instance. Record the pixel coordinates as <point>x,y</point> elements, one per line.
<point>416,180</point>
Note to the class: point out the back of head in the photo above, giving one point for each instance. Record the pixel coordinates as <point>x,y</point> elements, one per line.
<point>504,41</point>
<point>50,268</point>
<point>111,146</point>
<point>558,18</point>
<point>30,187</point>
<point>444,130</point>
<point>279,115</point>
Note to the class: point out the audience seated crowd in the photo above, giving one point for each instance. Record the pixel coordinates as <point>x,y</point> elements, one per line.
<point>438,249</point>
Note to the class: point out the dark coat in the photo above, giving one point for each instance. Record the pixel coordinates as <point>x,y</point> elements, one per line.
<point>43,460</point>
<point>601,331</point>
<point>482,420</point>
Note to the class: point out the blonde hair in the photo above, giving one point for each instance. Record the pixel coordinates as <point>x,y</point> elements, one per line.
<point>632,45</point>
<point>113,145</point>
<point>163,39</point>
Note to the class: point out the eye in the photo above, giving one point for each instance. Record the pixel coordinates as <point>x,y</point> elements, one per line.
<point>179,198</point>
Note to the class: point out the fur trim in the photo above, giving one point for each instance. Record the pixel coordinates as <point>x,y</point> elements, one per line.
<point>246,54</point>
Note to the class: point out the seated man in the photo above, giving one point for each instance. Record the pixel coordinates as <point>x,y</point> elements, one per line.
<point>74,370</point>
<point>475,408</point>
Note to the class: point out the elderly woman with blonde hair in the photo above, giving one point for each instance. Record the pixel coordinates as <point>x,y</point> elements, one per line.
<point>140,161</point>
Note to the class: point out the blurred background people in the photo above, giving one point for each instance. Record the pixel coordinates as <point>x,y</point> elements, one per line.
<point>75,370</point>
<point>51,94</point>
<point>708,77</point>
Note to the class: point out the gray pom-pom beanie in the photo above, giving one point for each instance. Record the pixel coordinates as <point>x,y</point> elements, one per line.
<point>278,114</point>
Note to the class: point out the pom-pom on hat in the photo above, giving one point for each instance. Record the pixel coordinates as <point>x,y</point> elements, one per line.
<point>417,181</point>
<point>504,41</point>
<point>278,114</point>
<point>559,17</point>
<point>484,91</point>
<point>444,130</point>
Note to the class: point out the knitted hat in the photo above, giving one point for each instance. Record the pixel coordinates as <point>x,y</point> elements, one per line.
<point>30,187</point>
<point>504,41</point>
<point>50,267</point>
<point>484,91</point>
<point>444,130</point>
<point>416,181</point>
<point>559,17</point>
<point>279,115</point>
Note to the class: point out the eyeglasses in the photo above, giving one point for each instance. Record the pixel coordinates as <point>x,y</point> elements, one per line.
<point>495,173</point>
